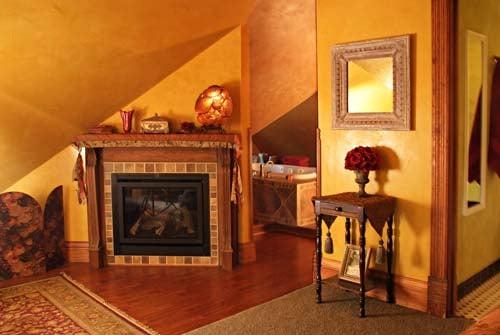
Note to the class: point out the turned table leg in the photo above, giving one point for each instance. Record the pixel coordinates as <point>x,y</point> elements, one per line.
<point>362,260</point>
<point>390,282</point>
<point>318,258</point>
<point>347,230</point>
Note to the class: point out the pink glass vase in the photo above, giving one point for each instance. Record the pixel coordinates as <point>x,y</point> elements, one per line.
<point>127,120</point>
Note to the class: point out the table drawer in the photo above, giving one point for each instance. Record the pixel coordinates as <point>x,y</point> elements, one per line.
<point>340,209</point>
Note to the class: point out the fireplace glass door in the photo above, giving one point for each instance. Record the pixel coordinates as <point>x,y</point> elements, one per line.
<point>161,214</point>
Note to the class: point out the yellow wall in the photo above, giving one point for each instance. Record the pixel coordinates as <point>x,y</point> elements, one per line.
<point>406,155</point>
<point>68,65</point>
<point>282,58</point>
<point>54,172</point>
<point>478,234</point>
<point>173,97</point>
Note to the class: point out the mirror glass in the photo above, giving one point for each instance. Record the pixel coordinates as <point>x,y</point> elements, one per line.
<point>475,116</point>
<point>370,85</point>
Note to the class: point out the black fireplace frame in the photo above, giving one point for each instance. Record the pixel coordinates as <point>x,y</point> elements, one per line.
<point>164,247</point>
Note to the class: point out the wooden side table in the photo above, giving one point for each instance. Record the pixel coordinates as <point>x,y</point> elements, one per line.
<point>378,210</point>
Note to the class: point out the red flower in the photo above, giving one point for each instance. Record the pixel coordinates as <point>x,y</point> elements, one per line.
<point>362,158</point>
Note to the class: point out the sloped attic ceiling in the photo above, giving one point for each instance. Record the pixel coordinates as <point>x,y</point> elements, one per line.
<point>68,65</point>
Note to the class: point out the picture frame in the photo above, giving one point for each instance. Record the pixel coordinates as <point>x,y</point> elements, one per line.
<point>349,271</point>
<point>356,66</point>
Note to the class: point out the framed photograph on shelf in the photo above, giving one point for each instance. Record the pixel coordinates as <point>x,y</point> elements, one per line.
<point>349,270</point>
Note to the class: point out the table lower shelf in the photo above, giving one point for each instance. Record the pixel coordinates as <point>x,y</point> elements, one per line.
<point>348,286</point>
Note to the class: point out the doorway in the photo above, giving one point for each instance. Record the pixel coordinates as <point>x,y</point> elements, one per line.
<point>284,115</point>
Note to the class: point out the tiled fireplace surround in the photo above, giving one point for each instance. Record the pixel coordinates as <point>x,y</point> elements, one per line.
<point>161,167</point>
<point>212,154</point>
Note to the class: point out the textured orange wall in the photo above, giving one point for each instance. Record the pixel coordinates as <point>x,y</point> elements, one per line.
<point>174,97</point>
<point>68,65</point>
<point>294,133</point>
<point>282,58</point>
<point>478,235</point>
<point>406,155</point>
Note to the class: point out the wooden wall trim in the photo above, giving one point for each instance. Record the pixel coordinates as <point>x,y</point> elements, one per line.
<point>441,278</point>
<point>95,244</point>
<point>409,292</point>
<point>250,179</point>
<point>318,162</point>
<point>478,279</point>
<point>224,208</point>
<point>77,252</point>
<point>247,253</point>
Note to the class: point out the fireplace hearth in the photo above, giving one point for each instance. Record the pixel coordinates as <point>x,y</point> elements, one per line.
<point>161,214</point>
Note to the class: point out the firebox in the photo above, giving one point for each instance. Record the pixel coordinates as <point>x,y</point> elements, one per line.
<point>161,214</point>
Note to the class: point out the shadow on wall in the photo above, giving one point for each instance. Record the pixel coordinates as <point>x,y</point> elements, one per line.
<point>79,96</point>
<point>388,161</point>
<point>292,134</point>
<point>234,91</point>
<point>406,210</point>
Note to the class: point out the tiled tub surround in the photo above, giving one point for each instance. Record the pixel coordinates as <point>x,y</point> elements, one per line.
<point>160,167</point>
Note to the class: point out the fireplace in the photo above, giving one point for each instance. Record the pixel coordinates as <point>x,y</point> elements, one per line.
<point>161,214</point>
<point>165,160</point>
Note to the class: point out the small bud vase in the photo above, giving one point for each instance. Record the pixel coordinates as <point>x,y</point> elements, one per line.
<point>361,180</point>
<point>127,120</point>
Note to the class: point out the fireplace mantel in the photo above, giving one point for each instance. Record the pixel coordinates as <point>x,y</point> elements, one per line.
<point>101,150</point>
<point>227,141</point>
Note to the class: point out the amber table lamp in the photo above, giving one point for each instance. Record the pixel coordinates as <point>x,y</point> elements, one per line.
<point>213,107</point>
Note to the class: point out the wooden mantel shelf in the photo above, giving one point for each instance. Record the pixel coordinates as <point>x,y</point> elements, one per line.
<point>230,141</point>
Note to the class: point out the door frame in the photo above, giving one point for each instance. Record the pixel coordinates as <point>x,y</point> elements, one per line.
<point>441,282</point>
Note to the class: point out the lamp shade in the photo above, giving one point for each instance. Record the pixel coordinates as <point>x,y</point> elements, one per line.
<point>213,106</point>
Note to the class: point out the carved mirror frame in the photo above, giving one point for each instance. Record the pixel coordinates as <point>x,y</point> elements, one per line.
<point>396,47</point>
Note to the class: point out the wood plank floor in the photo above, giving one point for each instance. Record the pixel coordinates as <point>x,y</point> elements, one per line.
<point>173,300</point>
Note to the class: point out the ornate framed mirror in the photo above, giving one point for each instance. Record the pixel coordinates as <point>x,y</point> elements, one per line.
<point>371,84</point>
<point>475,122</point>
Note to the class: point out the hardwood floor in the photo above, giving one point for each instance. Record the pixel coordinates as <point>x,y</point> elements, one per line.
<point>173,300</point>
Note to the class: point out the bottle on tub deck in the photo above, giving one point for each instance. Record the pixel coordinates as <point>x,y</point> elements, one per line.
<point>263,157</point>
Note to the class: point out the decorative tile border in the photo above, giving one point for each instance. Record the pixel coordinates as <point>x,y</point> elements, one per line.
<point>161,167</point>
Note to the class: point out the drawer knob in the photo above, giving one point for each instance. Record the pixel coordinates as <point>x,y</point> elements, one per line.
<point>338,209</point>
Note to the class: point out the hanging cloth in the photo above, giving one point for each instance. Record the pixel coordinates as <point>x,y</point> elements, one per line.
<point>494,142</point>
<point>236,181</point>
<point>78,176</point>
<point>237,184</point>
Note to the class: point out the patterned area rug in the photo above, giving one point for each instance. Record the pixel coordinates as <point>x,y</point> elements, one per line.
<point>60,305</point>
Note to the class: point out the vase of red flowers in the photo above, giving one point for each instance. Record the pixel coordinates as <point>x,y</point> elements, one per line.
<point>362,160</point>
